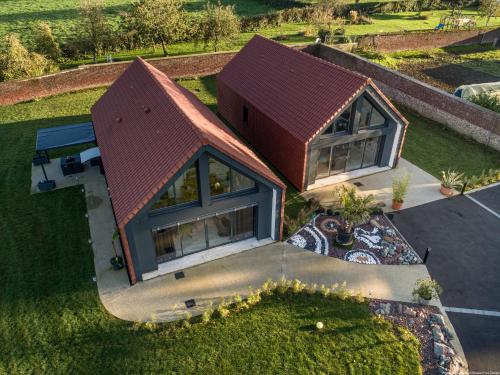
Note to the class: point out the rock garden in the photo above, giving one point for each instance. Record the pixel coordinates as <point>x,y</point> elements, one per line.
<point>429,326</point>
<point>376,242</point>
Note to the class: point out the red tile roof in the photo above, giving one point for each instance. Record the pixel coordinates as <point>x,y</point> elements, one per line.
<point>300,92</point>
<point>147,127</point>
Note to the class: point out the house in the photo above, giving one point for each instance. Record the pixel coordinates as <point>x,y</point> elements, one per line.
<point>316,122</point>
<point>184,190</point>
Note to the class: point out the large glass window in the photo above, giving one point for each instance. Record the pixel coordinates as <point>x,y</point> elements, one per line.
<point>341,125</point>
<point>347,157</point>
<point>224,179</point>
<point>355,158</point>
<point>184,190</point>
<point>219,230</point>
<point>324,162</point>
<point>371,152</point>
<point>370,116</point>
<point>191,237</point>
<point>167,244</point>
<point>243,225</point>
<point>339,158</point>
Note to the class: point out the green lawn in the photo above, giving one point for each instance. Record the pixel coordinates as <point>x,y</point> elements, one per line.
<point>435,148</point>
<point>51,320</point>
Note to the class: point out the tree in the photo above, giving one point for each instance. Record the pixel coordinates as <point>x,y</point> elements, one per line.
<point>161,21</point>
<point>219,25</point>
<point>96,28</point>
<point>45,43</point>
<point>17,62</point>
<point>489,8</point>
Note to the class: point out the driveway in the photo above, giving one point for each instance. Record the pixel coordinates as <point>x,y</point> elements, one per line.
<point>464,234</point>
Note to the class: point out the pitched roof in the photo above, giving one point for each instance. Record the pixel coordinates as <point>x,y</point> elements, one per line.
<point>147,127</point>
<point>300,92</point>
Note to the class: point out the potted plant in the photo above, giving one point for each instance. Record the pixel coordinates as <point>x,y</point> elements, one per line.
<point>355,210</point>
<point>425,290</point>
<point>399,190</point>
<point>117,260</point>
<point>450,180</point>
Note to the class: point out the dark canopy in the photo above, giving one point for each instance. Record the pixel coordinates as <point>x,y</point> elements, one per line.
<point>63,136</point>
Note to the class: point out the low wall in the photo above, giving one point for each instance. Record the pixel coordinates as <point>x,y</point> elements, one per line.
<point>89,76</point>
<point>460,115</point>
<point>428,39</point>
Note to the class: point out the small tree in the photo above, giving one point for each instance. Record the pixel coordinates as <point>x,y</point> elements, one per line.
<point>161,21</point>
<point>219,25</point>
<point>97,31</point>
<point>489,8</point>
<point>17,62</point>
<point>45,43</point>
<point>355,208</point>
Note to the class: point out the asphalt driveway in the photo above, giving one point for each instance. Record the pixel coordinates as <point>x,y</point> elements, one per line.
<point>464,236</point>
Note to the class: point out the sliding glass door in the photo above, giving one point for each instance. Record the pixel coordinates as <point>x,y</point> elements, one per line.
<point>347,157</point>
<point>198,235</point>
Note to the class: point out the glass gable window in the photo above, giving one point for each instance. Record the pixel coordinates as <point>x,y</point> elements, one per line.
<point>183,190</point>
<point>370,116</point>
<point>224,179</point>
<point>341,125</point>
<point>194,236</point>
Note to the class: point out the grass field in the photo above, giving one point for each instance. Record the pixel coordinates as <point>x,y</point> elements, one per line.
<point>51,320</point>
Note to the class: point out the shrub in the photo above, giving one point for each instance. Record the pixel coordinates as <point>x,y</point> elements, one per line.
<point>207,315</point>
<point>451,179</point>
<point>311,289</point>
<point>325,292</point>
<point>254,297</point>
<point>400,187</point>
<point>297,286</point>
<point>485,178</point>
<point>491,102</point>
<point>355,207</point>
<point>219,26</point>
<point>268,287</point>
<point>427,289</point>
<point>45,43</point>
<point>186,322</point>
<point>17,62</point>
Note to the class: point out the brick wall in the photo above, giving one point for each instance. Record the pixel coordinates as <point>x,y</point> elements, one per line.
<point>89,76</point>
<point>467,118</point>
<point>430,39</point>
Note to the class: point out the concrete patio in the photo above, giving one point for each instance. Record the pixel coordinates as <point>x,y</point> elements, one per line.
<point>424,187</point>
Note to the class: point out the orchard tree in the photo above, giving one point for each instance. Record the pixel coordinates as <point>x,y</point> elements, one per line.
<point>489,8</point>
<point>161,21</point>
<point>97,32</point>
<point>45,43</point>
<point>17,62</point>
<point>219,25</point>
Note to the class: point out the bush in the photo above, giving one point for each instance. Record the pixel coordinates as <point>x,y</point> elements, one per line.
<point>45,43</point>
<point>17,62</point>
<point>427,289</point>
<point>485,178</point>
<point>400,187</point>
<point>491,102</point>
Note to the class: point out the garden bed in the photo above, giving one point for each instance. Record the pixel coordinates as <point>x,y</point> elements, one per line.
<point>428,325</point>
<point>376,242</point>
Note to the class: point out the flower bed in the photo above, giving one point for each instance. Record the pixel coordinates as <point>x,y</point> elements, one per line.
<point>376,242</point>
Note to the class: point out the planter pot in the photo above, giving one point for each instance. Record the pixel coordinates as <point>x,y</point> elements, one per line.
<point>446,191</point>
<point>397,205</point>
<point>423,301</point>
<point>117,263</point>
<point>344,238</point>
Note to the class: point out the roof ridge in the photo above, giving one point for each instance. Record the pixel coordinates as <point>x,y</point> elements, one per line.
<point>351,72</point>
<point>148,68</point>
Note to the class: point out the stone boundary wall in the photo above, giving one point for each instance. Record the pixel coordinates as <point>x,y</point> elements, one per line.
<point>393,42</point>
<point>458,114</point>
<point>98,75</point>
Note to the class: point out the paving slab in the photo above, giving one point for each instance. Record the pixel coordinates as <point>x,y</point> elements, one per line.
<point>424,187</point>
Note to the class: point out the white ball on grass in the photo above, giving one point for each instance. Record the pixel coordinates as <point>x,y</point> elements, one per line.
<point>319,325</point>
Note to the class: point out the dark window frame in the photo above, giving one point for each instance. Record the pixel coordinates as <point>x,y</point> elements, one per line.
<point>333,124</point>
<point>230,193</point>
<point>378,108</point>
